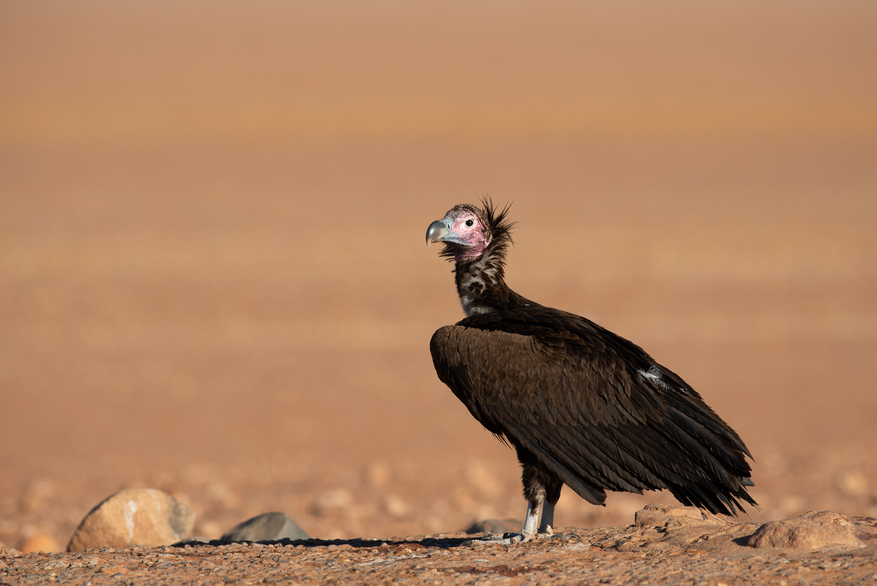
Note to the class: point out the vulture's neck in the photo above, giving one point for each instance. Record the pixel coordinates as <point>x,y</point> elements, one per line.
<point>481,285</point>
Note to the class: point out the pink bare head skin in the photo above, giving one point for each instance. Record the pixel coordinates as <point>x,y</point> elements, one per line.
<point>463,230</point>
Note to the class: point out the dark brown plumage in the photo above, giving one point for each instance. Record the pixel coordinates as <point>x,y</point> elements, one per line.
<point>580,405</point>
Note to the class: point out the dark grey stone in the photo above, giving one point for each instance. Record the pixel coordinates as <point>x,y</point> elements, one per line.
<point>266,527</point>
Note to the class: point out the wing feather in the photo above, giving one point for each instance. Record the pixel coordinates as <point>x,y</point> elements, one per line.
<point>591,406</point>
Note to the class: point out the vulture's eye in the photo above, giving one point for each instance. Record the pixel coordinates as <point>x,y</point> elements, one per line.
<point>469,222</point>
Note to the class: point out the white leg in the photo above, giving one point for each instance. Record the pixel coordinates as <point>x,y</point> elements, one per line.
<point>547,525</point>
<point>530,522</point>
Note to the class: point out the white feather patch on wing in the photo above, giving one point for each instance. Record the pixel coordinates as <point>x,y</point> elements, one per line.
<point>655,376</point>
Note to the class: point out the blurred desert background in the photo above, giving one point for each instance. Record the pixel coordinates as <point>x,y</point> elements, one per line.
<point>213,276</point>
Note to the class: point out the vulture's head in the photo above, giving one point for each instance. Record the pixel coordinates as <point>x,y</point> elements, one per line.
<point>468,231</point>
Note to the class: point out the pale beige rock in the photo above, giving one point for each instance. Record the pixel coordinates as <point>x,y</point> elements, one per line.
<point>141,516</point>
<point>657,515</point>
<point>812,530</point>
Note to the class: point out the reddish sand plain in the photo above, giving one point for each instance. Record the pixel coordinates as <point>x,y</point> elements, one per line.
<point>213,278</point>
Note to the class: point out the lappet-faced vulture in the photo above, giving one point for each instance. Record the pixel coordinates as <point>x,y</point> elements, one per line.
<point>580,405</point>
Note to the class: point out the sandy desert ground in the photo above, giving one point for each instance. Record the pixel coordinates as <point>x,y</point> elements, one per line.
<point>213,278</point>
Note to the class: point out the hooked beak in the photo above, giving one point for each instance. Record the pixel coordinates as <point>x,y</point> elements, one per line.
<point>438,231</point>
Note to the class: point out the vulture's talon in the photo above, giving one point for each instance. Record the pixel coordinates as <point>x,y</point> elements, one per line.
<point>504,539</point>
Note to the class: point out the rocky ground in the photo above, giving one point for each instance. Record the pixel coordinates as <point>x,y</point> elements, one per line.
<point>666,545</point>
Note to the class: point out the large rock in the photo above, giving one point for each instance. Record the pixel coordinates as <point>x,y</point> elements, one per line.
<point>658,515</point>
<point>266,527</point>
<point>812,530</point>
<point>141,516</point>
<point>668,529</point>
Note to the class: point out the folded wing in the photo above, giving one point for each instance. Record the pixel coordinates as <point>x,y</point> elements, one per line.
<point>592,407</point>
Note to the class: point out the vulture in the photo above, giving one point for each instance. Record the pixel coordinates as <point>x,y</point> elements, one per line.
<point>580,405</point>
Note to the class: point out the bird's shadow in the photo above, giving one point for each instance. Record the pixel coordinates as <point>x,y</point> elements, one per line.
<point>426,542</point>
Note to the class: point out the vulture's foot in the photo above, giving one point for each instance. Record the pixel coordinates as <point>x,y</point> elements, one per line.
<point>510,538</point>
<point>504,539</point>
